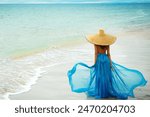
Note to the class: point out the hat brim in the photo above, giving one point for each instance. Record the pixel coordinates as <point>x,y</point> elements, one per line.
<point>101,40</point>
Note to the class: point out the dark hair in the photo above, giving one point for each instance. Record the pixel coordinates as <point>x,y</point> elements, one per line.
<point>103,46</point>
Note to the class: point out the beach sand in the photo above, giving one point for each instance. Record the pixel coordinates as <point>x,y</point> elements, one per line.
<point>53,84</point>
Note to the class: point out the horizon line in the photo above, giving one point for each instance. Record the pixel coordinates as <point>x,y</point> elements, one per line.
<point>67,2</point>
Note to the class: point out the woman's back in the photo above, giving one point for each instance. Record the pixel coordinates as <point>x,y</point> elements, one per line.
<point>101,49</point>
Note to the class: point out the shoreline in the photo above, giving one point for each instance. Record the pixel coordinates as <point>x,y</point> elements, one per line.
<point>50,48</point>
<point>27,93</point>
<point>38,74</point>
<point>28,86</point>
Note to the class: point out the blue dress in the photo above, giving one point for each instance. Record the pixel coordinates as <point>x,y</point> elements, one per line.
<point>103,81</point>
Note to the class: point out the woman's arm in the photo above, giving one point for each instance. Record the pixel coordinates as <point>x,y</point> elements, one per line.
<point>96,53</point>
<point>109,56</point>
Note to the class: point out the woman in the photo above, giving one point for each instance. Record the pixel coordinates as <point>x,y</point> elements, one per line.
<point>105,78</point>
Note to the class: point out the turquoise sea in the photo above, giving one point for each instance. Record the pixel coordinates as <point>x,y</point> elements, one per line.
<point>26,28</point>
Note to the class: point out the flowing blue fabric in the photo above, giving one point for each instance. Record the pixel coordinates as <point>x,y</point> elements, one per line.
<point>103,81</point>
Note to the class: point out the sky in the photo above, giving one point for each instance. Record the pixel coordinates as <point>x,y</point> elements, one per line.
<point>61,1</point>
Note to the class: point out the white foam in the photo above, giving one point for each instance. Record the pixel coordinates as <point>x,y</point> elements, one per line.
<point>32,81</point>
<point>17,76</point>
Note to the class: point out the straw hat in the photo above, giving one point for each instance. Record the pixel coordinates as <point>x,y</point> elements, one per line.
<point>101,38</point>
